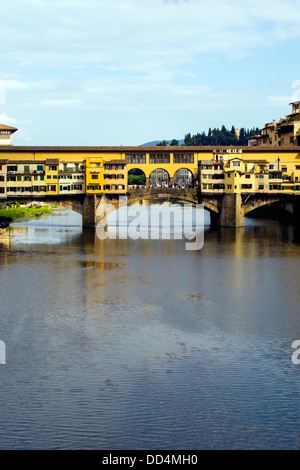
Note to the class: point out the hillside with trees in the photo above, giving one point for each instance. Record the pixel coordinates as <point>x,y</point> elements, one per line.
<point>217,136</point>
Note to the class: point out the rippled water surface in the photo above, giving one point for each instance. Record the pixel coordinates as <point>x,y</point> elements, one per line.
<point>140,344</point>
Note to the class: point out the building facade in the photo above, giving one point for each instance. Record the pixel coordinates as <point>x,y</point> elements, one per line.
<point>54,171</point>
<point>284,133</point>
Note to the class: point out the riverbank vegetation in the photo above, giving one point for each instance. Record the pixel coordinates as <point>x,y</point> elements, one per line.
<point>14,211</point>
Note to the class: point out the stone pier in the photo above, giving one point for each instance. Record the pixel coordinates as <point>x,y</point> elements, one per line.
<point>96,208</point>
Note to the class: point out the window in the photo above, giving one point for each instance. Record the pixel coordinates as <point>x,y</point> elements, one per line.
<point>236,163</point>
<point>229,186</point>
<point>94,177</point>
<point>185,158</point>
<point>40,168</point>
<point>261,186</point>
<point>159,158</point>
<point>52,167</point>
<point>135,158</point>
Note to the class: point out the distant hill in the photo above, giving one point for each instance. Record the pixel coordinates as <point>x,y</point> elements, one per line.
<point>155,142</point>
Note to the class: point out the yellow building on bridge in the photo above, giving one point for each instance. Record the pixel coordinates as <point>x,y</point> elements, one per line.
<point>41,171</point>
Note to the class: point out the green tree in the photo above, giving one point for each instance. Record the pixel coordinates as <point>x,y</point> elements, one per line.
<point>136,176</point>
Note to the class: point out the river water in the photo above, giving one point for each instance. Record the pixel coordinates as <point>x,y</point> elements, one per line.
<point>141,344</point>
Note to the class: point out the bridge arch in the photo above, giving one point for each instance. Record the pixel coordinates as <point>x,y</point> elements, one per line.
<point>183,176</point>
<point>257,201</point>
<point>189,196</point>
<point>159,176</point>
<point>136,177</point>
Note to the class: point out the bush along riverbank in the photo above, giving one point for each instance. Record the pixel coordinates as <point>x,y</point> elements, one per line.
<point>14,211</point>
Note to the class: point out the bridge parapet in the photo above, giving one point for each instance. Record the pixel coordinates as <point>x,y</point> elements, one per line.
<point>187,194</point>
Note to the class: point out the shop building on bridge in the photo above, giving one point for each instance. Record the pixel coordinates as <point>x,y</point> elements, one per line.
<point>53,171</point>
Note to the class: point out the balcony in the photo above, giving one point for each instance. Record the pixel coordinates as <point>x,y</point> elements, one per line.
<point>73,170</point>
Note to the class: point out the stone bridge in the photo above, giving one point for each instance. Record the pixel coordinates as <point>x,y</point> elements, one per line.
<point>227,210</point>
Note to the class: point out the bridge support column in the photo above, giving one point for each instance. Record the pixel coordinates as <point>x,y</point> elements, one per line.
<point>296,212</point>
<point>89,211</point>
<point>96,208</point>
<point>215,219</point>
<point>232,214</point>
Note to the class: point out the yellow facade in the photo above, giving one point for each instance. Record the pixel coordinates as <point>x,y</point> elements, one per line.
<point>94,175</point>
<point>51,176</point>
<point>104,170</point>
<point>164,159</point>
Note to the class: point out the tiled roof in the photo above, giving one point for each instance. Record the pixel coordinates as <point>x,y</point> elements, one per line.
<point>115,161</point>
<point>7,128</point>
<point>180,149</point>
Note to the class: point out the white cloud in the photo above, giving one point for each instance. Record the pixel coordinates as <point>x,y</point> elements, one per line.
<point>7,120</point>
<point>137,55</point>
<point>61,103</point>
<point>31,86</point>
<point>127,34</point>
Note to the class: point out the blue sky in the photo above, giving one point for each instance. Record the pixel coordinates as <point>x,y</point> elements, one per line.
<point>125,72</point>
